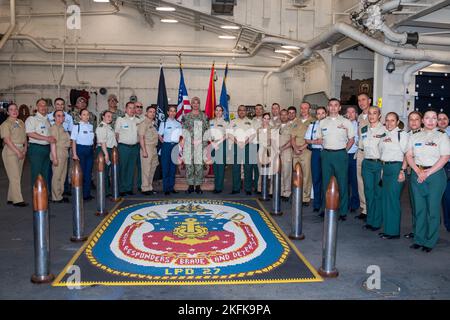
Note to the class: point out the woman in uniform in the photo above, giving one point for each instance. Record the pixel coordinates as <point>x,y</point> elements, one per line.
<point>392,148</point>
<point>82,141</point>
<point>59,156</point>
<point>106,141</point>
<point>13,133</point>
<point>428,152</point>
<point>415,126</point>
<point>264,134</point>
<point>370,136</point>
<point>218,127</point>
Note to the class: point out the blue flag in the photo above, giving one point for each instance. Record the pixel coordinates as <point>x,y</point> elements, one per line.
<point>163,102</point>
<point>224,97</point>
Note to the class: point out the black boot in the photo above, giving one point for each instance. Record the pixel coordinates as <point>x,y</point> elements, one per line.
<point>190,189</point>
<point>198,190</point>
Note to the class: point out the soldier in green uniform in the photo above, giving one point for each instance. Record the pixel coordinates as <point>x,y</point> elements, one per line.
<point>195,124</point>
<point>127,137</point>
<point>80,105</point>
<point>114,109</point>
<point>241,133</point>
<point>428,152</point>
<point>254,147</point>
<point>415,126</point>
<point>38,132</point>
<point>218,134</point>
<point>392,149</point>
<point>369,139</point>
<point>336,134</point>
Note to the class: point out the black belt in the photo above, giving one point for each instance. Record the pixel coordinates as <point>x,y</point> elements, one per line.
<point>373,160</point>
<point>331,150</point>
<point>391,162</point>
<point>129,145</point>
<point>423,167</point>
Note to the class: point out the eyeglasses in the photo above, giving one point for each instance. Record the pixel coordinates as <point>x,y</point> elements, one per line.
<point>139,107</point>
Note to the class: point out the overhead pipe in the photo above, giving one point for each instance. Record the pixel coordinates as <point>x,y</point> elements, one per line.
<point>341,30</point>
<point>166,52</point>
<point>12,24</point>
<point>60,14</point>
<point>407,80</point>
<point>395,5</point>
<point>115,64</point>
<point>413,37</point>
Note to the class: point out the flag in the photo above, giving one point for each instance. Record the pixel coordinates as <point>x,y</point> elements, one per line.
<point>163,102</point>
<point>184,105</point>
<point>224,96</point>
<point>211,97</point>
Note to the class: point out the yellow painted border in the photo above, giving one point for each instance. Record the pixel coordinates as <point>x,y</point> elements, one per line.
<point>270,222</point>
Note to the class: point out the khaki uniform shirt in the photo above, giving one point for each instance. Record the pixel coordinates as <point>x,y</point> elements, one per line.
<point>363,120</point>
<point>14,129</point>
<point>393,149</point>
<point>105,134</point>
<point>335,132</point>
<point>241,129</point>
<point>38,124</point>
<point>126,127</point>
<point>218,129</point>
<point>148,130</point>
<point>428,146</point>
<point>285,131</point>
<point>299,128</point>
<point>62,140</point>
<point>369,140</point>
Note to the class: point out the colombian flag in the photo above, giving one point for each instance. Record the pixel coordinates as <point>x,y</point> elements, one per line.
<point>211,97</point>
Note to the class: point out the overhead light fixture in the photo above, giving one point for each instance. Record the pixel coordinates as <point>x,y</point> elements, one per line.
<point>167,9</point>
<point>290,47</point>
<point>169,20</point>
<point>227,37</point>
<point>230,27</point>
<point>282,51</point>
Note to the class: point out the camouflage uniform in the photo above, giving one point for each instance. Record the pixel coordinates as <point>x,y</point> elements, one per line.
<point>76,118</point>
<point>193,156</point>
<point>119,113</point>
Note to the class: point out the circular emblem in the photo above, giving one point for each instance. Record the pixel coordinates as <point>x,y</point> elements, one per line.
<point>188,238</point>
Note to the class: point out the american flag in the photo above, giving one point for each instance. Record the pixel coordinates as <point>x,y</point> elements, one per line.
<point>184,105</point>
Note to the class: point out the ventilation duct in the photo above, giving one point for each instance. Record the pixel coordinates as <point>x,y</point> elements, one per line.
<point>222,7</point>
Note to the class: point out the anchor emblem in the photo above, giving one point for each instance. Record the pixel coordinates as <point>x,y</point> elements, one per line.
<point>191,233</point>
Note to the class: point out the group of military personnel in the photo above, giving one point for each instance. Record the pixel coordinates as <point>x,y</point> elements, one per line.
<point>370,160</point>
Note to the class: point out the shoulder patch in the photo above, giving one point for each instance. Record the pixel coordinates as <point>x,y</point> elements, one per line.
<point>441,131</point>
